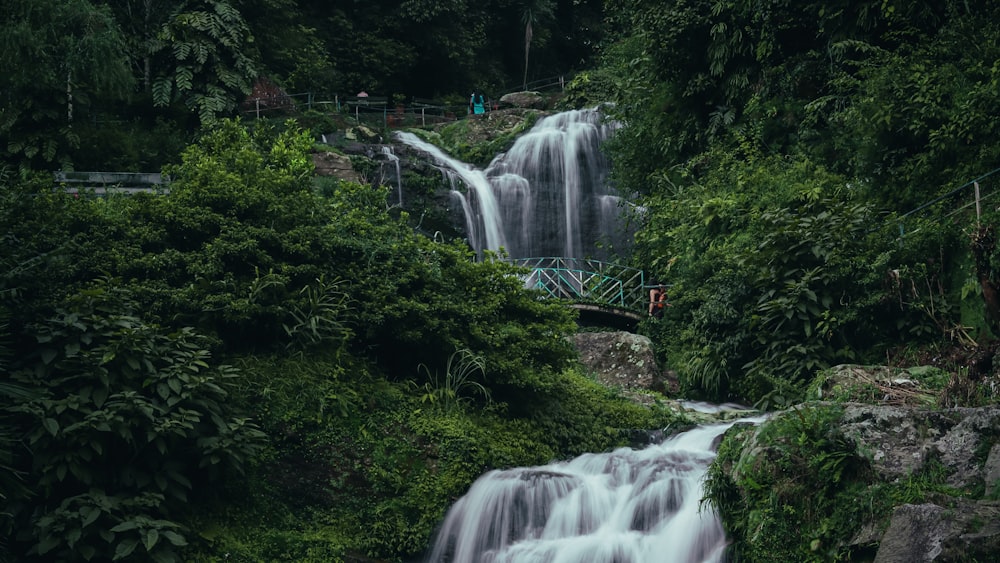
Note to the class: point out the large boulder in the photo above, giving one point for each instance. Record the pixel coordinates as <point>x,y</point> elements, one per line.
<point>902,440</point>
<point>964,531</point>
<point>530,100</point>
<point>336,165</point>
<point>620,359</point>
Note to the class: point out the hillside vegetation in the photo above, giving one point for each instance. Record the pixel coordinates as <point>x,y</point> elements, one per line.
<point>260,365</point>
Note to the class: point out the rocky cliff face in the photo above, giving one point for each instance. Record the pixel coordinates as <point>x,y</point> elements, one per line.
<point>963,445</point>
<point>943,464</point>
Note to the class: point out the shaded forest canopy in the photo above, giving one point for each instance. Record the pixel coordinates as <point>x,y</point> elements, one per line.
<point>272,365</point>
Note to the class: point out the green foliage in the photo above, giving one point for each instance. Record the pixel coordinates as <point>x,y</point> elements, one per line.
<point>872,108</point>
<point>788,491</point>
<point>59,58</point>
<point>578,415</point>
<point>121,522</point>
<point>589,89</point>
<point>425,299</point>
<point>805,269</point>
<point>450,390</point>
<point>203,59</point>
<point>362,465</point>
<point>124,422</point>
<point>469,140</point>
<point>146,145</point>
<point>918,385</point>
<point>918,115</point>
<point>775,269</point>
<point>235,248</point>
<point>365,466</point>
<point>319,319</point>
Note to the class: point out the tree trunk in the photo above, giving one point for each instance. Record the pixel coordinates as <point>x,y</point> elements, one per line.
<point>69,96</point>
<point>983,245</point>
<point>527,46</point>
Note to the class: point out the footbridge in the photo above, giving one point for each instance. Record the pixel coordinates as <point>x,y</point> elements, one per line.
<point>605,293</point>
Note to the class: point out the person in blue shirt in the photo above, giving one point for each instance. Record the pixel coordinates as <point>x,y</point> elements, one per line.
<point>477,104</point>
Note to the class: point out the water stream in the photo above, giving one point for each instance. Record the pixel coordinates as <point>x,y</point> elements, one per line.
<point>626,506</point>
<point>392,158</point>
<point>547,196</point>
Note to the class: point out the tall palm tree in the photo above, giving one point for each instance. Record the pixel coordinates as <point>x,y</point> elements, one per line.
<point>533,12</point>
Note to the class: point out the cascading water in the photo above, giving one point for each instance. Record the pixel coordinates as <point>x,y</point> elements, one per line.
<point>391,157</point>
<point>547,196</point>
<point>627,506</point>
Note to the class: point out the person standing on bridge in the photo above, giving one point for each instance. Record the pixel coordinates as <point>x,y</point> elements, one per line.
<point>658,301</point>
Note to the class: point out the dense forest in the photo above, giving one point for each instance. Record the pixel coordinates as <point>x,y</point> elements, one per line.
<point>263,365</point>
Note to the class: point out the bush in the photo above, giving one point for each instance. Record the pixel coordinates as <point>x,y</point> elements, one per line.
<point>124,422</point>
<point>788,491</point>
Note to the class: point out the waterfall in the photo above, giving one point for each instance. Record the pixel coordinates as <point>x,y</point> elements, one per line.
<point>391,157</point>
<point>477,183</point>
<point>547,196</point>
<point>626,506</point>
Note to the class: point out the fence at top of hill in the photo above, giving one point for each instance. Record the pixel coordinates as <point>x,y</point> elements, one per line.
<point>379,110</point>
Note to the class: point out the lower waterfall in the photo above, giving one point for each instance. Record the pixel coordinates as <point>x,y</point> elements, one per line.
<point>626,506</point>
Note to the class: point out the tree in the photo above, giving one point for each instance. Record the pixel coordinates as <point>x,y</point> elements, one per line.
<point>57,58</point>
<point>289,47</point>
<point>124,421</point>
<point>533,12</point>
<point>141,21</point>
<point>202,60</point>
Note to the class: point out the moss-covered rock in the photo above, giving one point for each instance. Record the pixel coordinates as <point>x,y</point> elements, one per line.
<point>822,481</point>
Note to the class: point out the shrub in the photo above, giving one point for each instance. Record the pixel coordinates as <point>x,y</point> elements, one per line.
<point>125,422</point>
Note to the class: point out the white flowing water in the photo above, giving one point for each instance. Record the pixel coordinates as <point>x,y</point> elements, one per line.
<point>627,506</point>
<point>547,196</point>
<point>391,157</point>
<point>476,181</point>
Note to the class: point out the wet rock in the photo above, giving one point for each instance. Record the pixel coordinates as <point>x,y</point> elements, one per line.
<point>914,535</point>
<point>991,470</point>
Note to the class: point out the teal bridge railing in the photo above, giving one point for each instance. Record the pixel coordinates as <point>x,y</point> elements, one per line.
<point>587,281</point>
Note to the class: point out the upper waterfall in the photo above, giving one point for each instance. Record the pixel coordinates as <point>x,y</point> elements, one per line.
<point>547,196</point>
